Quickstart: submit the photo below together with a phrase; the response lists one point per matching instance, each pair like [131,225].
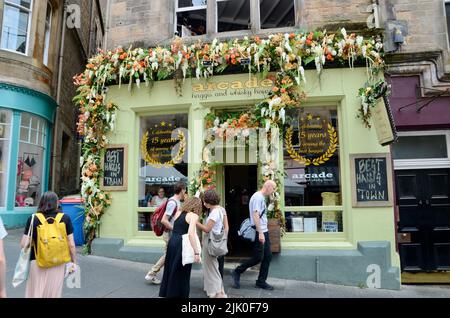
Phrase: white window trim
[30,16]
[430,163]
[46,55]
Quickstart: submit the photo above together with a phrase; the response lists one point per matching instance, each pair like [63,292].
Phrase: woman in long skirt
[47,282]
[176,277]
[213,283]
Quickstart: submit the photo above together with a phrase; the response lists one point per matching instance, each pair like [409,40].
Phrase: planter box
[274,235]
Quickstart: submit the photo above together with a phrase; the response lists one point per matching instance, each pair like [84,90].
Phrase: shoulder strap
[41,218]
[59,217]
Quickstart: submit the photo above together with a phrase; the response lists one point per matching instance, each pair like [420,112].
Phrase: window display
[312,174]
[30,163]
[163,157]
[5,140]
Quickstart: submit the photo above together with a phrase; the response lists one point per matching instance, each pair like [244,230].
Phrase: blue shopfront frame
[21,100]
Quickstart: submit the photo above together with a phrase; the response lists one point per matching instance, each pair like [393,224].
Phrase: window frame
[430,163]
[255,20]
[447,18]
[150,210]
[324,236]
[47,32]
[30,16]
[6,168]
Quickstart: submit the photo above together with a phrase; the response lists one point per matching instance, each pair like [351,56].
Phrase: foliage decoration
[287,54]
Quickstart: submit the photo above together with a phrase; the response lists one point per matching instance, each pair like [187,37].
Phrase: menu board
[114,163]
[371,180]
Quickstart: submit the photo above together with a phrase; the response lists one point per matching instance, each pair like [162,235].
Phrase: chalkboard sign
[371,180]
[115,164]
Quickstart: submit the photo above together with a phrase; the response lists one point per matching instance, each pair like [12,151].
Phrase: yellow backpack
[52,244]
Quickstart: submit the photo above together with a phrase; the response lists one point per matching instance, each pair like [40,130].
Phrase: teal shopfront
[26,121]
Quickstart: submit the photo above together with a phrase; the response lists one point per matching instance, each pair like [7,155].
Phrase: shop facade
[26,119]
[422,170]
[329,238]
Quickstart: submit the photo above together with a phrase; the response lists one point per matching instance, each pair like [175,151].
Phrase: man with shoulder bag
[261,250]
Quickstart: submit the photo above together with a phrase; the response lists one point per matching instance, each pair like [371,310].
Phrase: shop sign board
[115,167]
[371,180]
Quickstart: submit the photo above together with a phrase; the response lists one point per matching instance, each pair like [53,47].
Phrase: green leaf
[308,60]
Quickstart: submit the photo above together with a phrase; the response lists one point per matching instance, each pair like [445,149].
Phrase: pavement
[111,278]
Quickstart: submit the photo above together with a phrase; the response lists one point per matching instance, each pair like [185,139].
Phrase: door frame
[416,164]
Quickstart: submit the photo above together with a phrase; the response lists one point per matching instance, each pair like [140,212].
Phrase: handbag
[247,231]
[217,243]
[23,264]
[188,253]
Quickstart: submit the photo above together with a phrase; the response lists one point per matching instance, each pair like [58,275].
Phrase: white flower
[283,115]
[344,32]
[217,122]
[359,40]
[263,112]
[268,122]
[81,161]
[246,132]
[198,73]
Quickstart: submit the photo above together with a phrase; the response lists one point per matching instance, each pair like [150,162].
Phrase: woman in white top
[216,222]
[2,261]
[159,199]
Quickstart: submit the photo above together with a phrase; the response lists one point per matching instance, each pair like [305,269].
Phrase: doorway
[423,197]
[241,182]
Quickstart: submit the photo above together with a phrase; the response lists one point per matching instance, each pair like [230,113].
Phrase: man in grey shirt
[173,204]
[261,250]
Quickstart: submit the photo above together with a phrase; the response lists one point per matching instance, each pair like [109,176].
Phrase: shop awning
[161,176]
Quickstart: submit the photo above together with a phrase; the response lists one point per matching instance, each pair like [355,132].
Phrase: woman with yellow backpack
[53,246]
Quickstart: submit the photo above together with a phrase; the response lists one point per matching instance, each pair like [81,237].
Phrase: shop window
[48,27]
[277,14]
[163,158]
[233,15]
[312,171]
[5,140]
[16,21]
[31,160]
[191,17]
[421,147]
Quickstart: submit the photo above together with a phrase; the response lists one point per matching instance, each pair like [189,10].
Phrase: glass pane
[15,29]
[420,147]
[25,120]
[191,23]
[311,159]
[23,3]
[29,179]
[34,137]
[144,222]
[156,182]
[5,124]
[5,133]
[447,11]
[277,14]
[233,15]
[313,222]
[47,33]
[34,123]
[24,134]
[191,3]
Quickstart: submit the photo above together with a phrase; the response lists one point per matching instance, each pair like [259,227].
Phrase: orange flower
[308,42]
[292,35]
[90,66]
[329,57]
[233,61]
[310,36]
[283,90]
[209,180]
[275,89]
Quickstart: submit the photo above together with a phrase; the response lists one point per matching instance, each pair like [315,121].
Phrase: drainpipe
[108,13]
[58,92]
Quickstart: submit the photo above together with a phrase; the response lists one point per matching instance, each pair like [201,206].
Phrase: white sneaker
[152,279]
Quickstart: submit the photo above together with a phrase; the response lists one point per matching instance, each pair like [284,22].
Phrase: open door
[241,183]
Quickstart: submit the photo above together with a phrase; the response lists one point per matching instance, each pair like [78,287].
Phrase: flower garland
[286,53]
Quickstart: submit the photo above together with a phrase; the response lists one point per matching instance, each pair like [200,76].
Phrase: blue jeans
[261,254]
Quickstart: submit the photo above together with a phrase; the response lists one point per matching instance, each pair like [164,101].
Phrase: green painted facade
[335,87]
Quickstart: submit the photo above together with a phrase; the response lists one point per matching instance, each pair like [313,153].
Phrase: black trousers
[261,254]
[221,260]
